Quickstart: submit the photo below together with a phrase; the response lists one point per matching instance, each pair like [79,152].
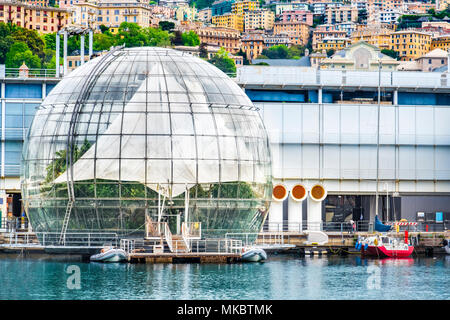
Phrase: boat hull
[254,255]
[115,255]
[382,252]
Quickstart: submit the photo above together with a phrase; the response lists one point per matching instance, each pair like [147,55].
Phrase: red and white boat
[383,246]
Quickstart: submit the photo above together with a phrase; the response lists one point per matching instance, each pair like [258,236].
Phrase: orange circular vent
[279,192]
[298,192]
[318,192]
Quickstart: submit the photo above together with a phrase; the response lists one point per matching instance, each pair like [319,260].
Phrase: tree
[20,53]
[157,37]
[103,41]
[244,56]
[223,62]
[330,52]
[390,53]
[203,50]
[190,39]
[276,52]
[177,39]
[166,25]
[103,28]
[131,35]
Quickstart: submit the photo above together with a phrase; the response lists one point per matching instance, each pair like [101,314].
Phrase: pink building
[297,16]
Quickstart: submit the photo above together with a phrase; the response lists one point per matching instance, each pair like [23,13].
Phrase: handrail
[168,236]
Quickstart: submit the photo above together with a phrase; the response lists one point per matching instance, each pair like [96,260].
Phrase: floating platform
[201,257]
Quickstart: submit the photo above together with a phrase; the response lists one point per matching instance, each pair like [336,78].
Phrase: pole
[91,35]
[82,49]
[387,202]
[65,52]
[378,135]
[57,53]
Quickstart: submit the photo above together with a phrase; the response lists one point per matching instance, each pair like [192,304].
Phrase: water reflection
[280,277]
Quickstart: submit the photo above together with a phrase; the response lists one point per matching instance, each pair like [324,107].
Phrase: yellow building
[377,36]
[239,7]
[41,19]
[441,42]
[259,19]
[335,44]
[410,44]
[229,20]
[111,13]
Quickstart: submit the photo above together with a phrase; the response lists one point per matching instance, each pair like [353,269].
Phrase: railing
[192,230]
[168,236]
[73,239]
[347,227]
[32,73]
[287,226]
[218,246]
[267,75]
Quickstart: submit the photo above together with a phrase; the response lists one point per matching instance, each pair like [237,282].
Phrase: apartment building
[239,7]
[341,14]
[441,42]
[296,15]
[410,44]
[322,32]
[229,20]
[336,44]
[374,35]
[221,7]
[205,15]
[111,13]
[298,32]
[41,19]
[259,19]
[228,38]
[253,44]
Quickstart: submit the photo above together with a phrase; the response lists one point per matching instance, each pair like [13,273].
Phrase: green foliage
[330,52]
[244,56]
[201,4]
[166,25]
[190,39]
[390,53]
[283,52]
[103,28]
[223,62]
[130,35]
[20,53]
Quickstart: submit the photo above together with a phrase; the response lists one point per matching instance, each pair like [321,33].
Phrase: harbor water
[281,277]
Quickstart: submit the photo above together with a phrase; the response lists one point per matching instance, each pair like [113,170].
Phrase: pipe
[314,215]
[295,207]
[279,194]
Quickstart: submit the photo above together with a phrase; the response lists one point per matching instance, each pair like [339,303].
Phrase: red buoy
[426,228]
[406,236]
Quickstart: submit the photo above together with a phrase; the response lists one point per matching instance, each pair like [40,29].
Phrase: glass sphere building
[145,134]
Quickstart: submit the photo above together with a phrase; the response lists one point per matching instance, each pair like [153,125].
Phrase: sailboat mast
[378,134]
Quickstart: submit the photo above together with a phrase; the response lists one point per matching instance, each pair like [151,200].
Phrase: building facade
[322,127]
[410,44]
[228,38]
[298,32]
[259,19]
[33,17]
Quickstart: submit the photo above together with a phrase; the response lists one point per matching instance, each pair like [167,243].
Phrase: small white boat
[254,255]
[110,254]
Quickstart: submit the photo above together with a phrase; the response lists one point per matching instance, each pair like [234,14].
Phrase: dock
[227,250]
